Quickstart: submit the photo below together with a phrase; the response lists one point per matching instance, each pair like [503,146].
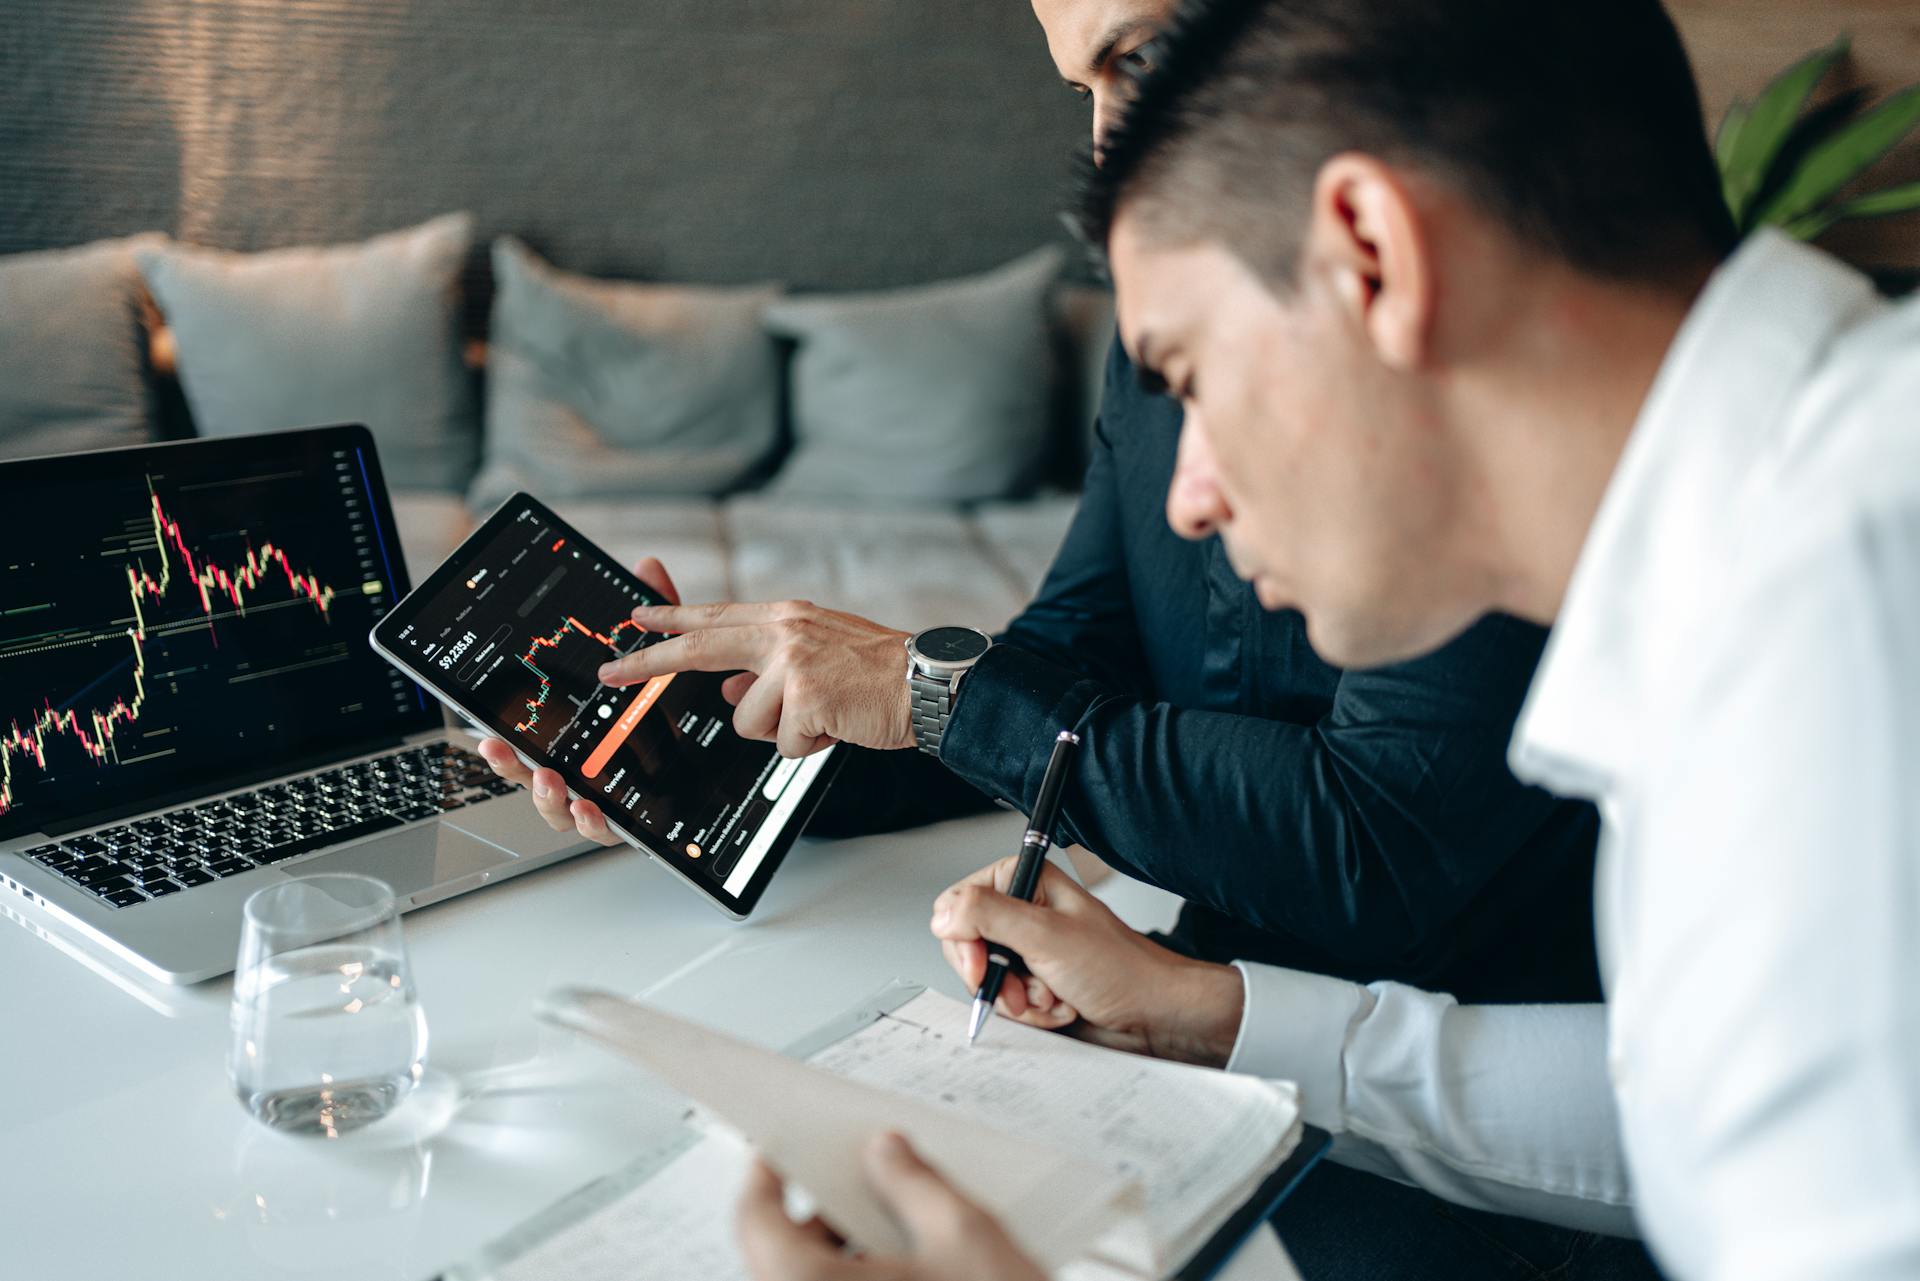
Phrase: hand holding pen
[1033,857]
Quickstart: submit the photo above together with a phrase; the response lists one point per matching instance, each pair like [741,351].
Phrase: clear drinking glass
[328,1034]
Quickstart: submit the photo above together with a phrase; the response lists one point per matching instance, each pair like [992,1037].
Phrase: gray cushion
[936,394]
[608,389]
[72,365]
[365,332]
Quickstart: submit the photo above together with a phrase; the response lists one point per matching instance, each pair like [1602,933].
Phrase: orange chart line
[539,700]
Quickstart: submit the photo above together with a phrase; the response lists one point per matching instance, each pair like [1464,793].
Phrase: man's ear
[1367,236]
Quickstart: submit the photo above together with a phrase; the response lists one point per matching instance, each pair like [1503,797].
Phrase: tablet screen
[513,630]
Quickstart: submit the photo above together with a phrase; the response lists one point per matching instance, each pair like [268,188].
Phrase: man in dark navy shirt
[1355,823]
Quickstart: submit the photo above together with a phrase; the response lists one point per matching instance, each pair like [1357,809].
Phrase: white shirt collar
[1720,399]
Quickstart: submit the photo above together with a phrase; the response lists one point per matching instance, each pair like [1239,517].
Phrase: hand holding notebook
[1097,1163]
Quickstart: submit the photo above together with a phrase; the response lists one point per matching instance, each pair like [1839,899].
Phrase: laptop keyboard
[154,857]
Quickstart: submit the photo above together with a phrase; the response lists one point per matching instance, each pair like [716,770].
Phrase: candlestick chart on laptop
[166,625]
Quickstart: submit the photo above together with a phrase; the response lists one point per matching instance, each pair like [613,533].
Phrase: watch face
[950,644]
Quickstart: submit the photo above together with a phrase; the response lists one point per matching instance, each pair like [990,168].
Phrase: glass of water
[328,1034]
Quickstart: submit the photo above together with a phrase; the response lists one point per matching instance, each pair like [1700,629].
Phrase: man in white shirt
[1424,379]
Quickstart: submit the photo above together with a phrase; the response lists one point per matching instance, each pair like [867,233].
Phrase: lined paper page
[813,1125]
[1198,1140]
[1087,1121]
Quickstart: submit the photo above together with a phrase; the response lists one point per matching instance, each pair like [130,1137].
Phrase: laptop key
[126,898]
[305,845]
[230,867]
[160,889]
[92,876]
[111,886]
[192,876]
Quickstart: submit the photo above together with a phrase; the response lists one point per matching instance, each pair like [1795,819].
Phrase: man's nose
[1195,506]
[1106,113]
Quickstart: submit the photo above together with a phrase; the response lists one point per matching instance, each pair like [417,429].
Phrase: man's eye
[1143,58]
[1081,92]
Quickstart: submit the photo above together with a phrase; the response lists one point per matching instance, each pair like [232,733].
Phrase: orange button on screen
[649,695]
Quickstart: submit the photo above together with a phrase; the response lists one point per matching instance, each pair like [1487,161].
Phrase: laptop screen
[180,618]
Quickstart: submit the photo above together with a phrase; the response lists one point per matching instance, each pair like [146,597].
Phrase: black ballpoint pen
[1026,874]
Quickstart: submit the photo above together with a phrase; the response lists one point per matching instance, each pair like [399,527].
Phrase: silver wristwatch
[936,660]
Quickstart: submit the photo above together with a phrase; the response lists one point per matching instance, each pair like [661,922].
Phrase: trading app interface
[519,635]
[173,616]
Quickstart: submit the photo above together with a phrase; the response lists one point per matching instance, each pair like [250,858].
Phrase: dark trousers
[1343,1225]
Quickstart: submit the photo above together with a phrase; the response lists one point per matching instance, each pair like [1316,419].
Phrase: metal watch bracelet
[932,702]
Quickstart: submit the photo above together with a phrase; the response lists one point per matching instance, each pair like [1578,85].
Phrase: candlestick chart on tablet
[515,630]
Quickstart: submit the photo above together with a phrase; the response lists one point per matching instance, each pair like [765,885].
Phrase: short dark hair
[1578,127]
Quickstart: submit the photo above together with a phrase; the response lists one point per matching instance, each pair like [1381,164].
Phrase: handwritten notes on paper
[1085,1153]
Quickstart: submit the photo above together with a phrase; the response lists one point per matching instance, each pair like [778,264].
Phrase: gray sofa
[908,568]
[905,454]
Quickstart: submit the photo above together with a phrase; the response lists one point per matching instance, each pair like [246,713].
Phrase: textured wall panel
[828,143]
[831,143]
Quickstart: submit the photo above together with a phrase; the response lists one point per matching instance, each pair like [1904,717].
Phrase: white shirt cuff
[1294,1027]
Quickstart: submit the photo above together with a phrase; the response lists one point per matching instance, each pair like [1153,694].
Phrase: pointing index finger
[699,618]
[728,649]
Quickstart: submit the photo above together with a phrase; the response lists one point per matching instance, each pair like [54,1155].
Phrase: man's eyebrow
[1117,33]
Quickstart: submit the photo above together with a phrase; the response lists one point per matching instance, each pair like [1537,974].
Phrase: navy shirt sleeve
[1364,834]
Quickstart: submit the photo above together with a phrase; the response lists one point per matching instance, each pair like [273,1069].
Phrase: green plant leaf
[1747,155]
[1725,140]
[1842,157]
[1809,226]
[1727,137]
[1904,198]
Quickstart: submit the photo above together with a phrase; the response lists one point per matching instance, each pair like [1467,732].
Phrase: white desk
[123,1153]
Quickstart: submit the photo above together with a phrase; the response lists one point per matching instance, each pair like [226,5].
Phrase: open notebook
[1101,1164]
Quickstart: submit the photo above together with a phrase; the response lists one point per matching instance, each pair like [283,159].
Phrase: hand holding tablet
[511,632]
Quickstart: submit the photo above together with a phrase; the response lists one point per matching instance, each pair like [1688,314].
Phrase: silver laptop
[190,709]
